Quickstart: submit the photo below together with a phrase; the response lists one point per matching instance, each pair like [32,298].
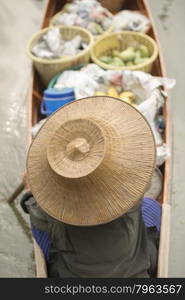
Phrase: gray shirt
[120,248]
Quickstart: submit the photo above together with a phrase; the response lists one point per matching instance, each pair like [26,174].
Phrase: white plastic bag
[130,20]
[163,152]
[37,127]
[147,89]
[83,84]
[52,45]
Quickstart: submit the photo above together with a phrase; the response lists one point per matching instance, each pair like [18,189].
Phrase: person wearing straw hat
[88,168]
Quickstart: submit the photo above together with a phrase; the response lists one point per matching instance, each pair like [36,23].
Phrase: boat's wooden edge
[164,243]
[29,110]
[163,256]
[147,8]
[167,115]
[49,11]
[41,268]
[168,162]
[48,6]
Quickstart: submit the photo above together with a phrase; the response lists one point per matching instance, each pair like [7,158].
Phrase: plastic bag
[89,14]
[83,84]
[149,109]
[53,40]
[37,127]
[147,89]
[49,45]
[163,153]
[52,45]
[130,20]
[67,19]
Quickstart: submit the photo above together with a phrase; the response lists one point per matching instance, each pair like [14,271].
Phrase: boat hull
[34,99]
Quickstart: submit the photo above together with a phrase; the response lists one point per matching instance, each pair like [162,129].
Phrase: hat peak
[77,149]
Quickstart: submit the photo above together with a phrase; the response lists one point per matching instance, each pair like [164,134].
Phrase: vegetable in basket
[129,57]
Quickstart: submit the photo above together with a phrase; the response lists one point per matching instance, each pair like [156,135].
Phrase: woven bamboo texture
[91,161]
[120,41]
[47,68]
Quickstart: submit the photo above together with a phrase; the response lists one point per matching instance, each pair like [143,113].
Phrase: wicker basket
[120,41]
[47,68]
[54,18]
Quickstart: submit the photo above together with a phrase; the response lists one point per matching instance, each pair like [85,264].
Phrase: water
[18,21]
[165,13]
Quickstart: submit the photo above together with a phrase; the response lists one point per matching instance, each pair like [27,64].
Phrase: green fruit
[117,54]
[117,62]
[144,51]
[95,28]
[127,55]
[98,28]
[137,57]
[106,59]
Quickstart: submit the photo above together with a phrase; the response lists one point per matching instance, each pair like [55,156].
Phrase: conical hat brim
[114,187]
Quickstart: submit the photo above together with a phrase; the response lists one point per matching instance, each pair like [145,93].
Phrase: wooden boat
[35,96]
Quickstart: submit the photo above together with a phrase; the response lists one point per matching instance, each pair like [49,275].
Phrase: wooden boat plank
[163,255]
[41,269]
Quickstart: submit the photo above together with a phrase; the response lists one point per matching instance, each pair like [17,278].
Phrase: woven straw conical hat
[91,161]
